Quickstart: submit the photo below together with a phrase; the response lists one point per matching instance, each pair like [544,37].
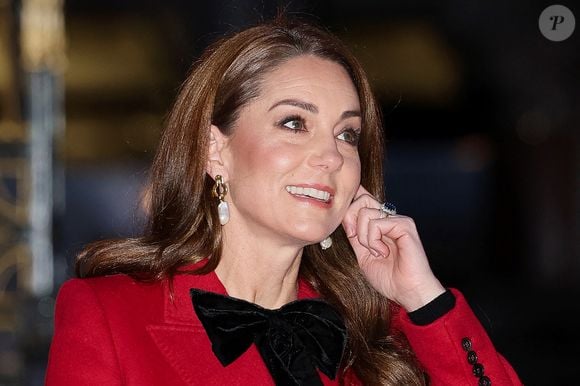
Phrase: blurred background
[481,116]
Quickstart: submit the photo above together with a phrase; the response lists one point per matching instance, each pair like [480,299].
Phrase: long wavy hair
[183,225]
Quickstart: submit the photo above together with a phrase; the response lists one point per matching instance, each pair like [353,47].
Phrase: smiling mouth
[316,194]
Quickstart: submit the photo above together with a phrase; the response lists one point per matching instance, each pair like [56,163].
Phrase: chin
[312,236]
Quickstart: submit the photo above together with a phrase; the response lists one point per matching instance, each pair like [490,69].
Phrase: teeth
[310,192]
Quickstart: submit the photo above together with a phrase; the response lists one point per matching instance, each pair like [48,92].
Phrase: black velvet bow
[292,340]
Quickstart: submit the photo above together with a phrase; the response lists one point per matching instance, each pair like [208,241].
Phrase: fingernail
[375,253]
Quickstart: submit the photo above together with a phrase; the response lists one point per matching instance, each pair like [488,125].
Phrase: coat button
[466,344]
[484,381]
[472,357]
[478,369]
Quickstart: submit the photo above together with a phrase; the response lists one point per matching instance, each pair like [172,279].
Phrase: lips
[308,192]
[321,194]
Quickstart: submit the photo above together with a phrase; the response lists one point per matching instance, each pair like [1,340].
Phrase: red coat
[115,331]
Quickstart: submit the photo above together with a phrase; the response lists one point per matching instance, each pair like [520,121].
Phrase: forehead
[320,81]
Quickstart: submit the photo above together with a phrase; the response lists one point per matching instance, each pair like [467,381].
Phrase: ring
[387,209]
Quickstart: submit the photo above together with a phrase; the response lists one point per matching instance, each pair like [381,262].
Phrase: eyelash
[354,132]
[292,118]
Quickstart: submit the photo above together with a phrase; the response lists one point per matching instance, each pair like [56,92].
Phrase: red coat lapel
[184,344]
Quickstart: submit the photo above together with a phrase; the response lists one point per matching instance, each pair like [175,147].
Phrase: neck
[260,271]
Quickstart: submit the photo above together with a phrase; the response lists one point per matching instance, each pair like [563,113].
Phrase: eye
[350,136]
[294,123]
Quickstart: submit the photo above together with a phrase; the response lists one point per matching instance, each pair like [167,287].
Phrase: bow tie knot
[292,340]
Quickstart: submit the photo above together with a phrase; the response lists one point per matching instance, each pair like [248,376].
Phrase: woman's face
[292,161]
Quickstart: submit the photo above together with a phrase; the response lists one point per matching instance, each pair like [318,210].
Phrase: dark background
[481,115]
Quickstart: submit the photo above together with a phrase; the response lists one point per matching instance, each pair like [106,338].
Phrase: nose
[325,154]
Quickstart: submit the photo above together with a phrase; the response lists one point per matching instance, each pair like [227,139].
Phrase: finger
[365,216]
[363,255]
[359,249]
[377,241]
[396,228]
[361,191]
[362,200]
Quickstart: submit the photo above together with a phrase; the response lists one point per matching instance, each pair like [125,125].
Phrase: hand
[389,253]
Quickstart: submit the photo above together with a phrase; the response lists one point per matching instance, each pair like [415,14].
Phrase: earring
[326,243]
[220,190]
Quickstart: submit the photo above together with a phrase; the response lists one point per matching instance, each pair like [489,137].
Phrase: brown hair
[183,224]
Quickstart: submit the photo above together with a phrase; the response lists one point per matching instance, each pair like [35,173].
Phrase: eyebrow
[312,108]
[350,113]
[297,103]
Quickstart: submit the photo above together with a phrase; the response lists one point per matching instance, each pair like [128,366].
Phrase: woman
[266,194]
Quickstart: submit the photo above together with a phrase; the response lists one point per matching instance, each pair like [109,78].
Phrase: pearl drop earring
[220,190]
[326,243]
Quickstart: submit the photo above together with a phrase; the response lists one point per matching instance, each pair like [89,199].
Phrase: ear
[216,164]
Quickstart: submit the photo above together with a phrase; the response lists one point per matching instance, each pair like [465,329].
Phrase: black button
[478,369]
[472,357]
[466,343]
[484,381]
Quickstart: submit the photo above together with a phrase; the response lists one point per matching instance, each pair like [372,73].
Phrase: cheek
[280,159]
[350,181]
[352,169]
[261,159]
